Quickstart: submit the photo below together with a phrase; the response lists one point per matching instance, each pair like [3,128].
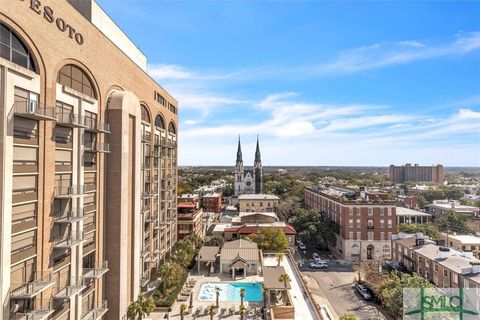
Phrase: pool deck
[304,309]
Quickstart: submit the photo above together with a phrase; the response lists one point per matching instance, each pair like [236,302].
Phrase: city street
[337,284]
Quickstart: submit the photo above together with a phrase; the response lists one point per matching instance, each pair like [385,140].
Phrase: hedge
[168,302]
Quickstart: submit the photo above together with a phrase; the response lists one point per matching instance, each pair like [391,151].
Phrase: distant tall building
[400,174]
[248,181]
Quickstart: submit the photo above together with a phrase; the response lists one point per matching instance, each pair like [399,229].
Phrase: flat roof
[401,211]
[271,276]
[463,238]
[260,196]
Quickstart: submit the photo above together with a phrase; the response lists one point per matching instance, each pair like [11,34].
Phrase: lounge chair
[197,312]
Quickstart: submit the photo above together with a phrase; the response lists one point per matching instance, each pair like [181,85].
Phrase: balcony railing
[68,192]
[91,146]
[71,120]
[76,286]
[33,110]
[74,239]
[145,209]
[98,311]
[40,310]
[41,282]
[94,125]
[96,272]
[152,218]
[71,216]
[145,194]
[370,227]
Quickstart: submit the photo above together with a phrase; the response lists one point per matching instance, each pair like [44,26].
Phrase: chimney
[475,266]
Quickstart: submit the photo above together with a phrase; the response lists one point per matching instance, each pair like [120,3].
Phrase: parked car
[302,247]
[318,264]
[364,292]
[298,240]
[316,256]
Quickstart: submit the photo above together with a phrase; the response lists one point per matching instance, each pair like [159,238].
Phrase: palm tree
[242,311]
[217,294]
[279,256]
[285,279]
[140,308]
[183,307]
[169,274]
[265,292]
[211,311]
[242,295]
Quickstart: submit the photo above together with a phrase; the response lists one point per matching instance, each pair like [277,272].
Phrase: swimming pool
[230,291]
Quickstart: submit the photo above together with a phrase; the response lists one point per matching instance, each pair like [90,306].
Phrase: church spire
[257,152]
[239,151]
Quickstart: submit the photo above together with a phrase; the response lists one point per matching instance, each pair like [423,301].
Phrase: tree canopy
[426,228]
[270,239]
[453,222]
[314,228]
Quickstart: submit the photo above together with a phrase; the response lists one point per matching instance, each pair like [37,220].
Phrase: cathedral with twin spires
[248,181]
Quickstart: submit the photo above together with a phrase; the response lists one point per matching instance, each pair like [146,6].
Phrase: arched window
[75,78]
[145,114]
[159,122]
[13,49]
[171,128]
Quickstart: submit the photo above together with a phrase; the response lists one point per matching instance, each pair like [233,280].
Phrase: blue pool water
[230,291]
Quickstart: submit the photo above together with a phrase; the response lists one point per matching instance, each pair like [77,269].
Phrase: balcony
[145,194]
[152,218]
[94,125]
[91,146]
[33,110]
[145,209]
[76,286]
[370,227]
[96,272]
[69,192]
[144,254]
[151,258]
[98,311]
[71,216]
[73,120]
[40,310]
[28,290]
[74,239]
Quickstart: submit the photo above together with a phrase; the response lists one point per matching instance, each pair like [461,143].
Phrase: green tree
[279,256]
[454,222]
[181,256]
[183,307]
[426,228]
[288,208]
[242,311]
[169,273]
[242,295]
[216,241]
[314,228]
[271,239]
[211,311]
[348,316]
[217,295]
[285,279]
[140,308]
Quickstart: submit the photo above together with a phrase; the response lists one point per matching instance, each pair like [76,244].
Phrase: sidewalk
[318,294]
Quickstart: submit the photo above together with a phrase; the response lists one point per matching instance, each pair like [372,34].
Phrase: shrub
[172,296]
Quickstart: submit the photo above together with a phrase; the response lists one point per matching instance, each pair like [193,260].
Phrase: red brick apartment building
[189,216]
[212,202]
[366,223]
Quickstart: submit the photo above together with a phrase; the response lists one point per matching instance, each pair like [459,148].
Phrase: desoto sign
[62,25]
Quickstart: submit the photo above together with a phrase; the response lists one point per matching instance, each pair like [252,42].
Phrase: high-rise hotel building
[88,164]
[401,174]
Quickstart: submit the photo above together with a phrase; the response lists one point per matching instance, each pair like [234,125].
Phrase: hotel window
[389,236]
[390,223]
[382,223]
[24,241]
[389,211]
[435,267]
[445,273]
[75,78]
[370,224]
[23,184]
[386,249]
[359,225]
[171,128]
[370,236]
[14,50]
[145,114]
[370,211]
[350,235]
[350,223]
[382,235]
[159,123]
[350,211]
[22,273]
[359,235]
[63,135]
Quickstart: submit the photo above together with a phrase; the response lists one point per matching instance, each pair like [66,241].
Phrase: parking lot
[337,283]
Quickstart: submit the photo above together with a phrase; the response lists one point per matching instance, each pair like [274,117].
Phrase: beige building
[465,243]
[258,202]
[87,161]
[401,174]
[240,257]
[444,267]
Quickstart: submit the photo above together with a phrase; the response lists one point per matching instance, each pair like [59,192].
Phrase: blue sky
[322,82]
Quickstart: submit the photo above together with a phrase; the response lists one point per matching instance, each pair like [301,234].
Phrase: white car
[316,256]
[302,246]
[363,292]
[318,264]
